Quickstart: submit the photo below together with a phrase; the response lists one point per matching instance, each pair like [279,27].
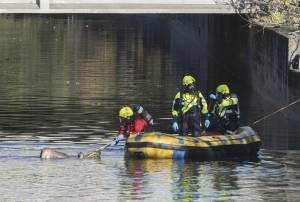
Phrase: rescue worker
[187,107]
[133,119]
[225,113]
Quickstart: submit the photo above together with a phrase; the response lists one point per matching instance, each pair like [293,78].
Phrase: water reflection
[62,81]
[66,70]
[188,182]
[208,181]
[139,174]
[71,70]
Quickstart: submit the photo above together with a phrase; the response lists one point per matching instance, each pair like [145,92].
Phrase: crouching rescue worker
[225,113]
[133,119]
[188,105]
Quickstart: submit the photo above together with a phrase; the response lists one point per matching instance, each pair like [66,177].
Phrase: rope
[275,112]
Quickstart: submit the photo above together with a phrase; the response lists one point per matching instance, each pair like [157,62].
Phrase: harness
[231,112]
[184,103]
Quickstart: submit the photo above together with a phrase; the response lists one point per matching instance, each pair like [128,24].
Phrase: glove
[175,126]
[151,122]
[117,140]
[120,137]
[206,123]
[114,142]
[212,96]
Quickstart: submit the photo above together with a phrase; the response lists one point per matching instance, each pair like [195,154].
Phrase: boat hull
[243,143]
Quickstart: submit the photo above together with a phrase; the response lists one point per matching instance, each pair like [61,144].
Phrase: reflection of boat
[147,165]
[243,143]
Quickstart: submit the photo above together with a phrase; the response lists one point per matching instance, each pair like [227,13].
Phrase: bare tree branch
[269,13]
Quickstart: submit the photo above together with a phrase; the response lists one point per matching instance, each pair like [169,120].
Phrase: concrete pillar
[44,4]
[294,50]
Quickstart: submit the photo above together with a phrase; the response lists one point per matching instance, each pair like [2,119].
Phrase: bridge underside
[97,6]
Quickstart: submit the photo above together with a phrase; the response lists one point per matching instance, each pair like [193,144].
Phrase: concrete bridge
[115,6]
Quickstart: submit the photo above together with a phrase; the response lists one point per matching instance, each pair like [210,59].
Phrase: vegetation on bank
[281,14]
[270,13]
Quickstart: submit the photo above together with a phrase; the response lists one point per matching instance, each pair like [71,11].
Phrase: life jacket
[137,123]
[188,102]
[228,109]
[133,127]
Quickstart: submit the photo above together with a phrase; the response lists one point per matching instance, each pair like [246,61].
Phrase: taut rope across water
[275,112]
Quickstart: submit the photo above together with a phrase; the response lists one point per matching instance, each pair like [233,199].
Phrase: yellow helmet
[125,112]
[223,89]
[187,80]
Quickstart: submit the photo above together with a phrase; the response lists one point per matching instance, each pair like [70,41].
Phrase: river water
[62,81]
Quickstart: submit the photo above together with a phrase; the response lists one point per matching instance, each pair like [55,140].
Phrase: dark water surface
[62,81]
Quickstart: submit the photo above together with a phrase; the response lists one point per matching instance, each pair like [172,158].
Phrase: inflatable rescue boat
[244,142]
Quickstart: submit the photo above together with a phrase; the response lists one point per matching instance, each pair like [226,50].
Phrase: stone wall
[294,51]
[258,59]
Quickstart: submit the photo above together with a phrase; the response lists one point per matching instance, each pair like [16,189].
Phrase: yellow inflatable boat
[242,143]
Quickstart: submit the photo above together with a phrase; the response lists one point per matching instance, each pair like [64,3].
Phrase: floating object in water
[50,153]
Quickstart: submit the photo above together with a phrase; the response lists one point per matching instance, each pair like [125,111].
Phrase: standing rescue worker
[225,114]
[133,119]
[187,107]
